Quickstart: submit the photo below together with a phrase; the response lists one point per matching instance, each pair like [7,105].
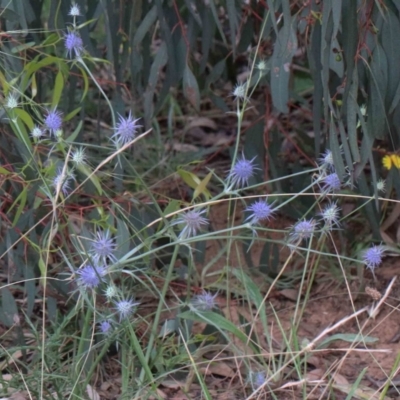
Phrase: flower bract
[303,230]
[63,179]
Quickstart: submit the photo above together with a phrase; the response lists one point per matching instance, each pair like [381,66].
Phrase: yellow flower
[395,160]
[387,162]
[392,160]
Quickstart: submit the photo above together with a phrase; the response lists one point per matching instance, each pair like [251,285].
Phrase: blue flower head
[105,327]
[302,230]
[90,276]
[331,182]
[192,221]
[257,379]
[73,44]
[63,179]
[242,171]
[260,211]
[125,130]
[125,308]
[53,121]
[103,246]
[204,301]
[372,257]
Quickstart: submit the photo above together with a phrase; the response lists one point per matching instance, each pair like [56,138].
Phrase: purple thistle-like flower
[204,301]
[260,211]
[105,327]
[193,222]
[53,121]
[103,246]
[242,171]
[331,182]
[91,276]
[125,130]
[63,180]
[372,257]
[125,308]
[303,230]
[73,44]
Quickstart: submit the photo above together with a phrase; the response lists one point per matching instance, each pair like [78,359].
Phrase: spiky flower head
[37,132]
[125,130]
[242,171]
[53,121]
[204,301]
[105,327]
[326,161]
[78,156]
[103,246]
[73,44]
[260,211]
[90,276]
[303,230]
[239,91]
[110,292]
[381,185]
[331,182]
[125,308]
[74,11]
[372,257]
[192,221]
[11,101]
[63,180]
[261,65]
[330,215]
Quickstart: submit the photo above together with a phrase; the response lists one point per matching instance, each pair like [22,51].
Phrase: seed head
[260,211]
[241,172]
[192,221]
[204,301]
[90,276]
[73,44]
[53,121]
[125,130]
